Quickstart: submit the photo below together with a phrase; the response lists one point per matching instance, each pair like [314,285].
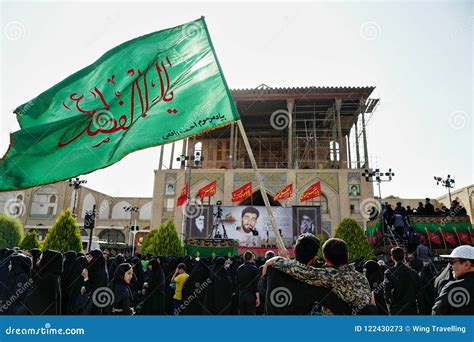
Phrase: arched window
[334,150]
[87,204]
[112,236]
[41,204]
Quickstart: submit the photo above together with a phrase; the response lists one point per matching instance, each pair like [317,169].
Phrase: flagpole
[279,240]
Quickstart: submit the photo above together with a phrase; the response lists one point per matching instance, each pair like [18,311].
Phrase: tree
[163,241]
[11,231]
[30,241]
[357,244]
[64,235]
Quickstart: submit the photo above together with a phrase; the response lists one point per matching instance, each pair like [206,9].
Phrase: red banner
[284,193]
[312,192]
[208,190]
[184,195]
[245,191]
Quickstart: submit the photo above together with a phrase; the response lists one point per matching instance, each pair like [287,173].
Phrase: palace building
[297,135]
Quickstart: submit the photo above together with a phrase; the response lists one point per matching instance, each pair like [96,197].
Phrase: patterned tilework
[219,177]
[330,178]
[273,181]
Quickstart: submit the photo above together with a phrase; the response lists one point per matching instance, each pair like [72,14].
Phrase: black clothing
[427,277]
[45,298]
[98,277]
[374,274]
[429,209]
[69,258]
[19,284]
[218,298]
[442,279]
[285,295]
[198,279]
[456,297]
[402,290]
[76,281]
[122,304]
[154,297]
[247,281]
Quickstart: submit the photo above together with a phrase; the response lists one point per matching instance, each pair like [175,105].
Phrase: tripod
[215,232]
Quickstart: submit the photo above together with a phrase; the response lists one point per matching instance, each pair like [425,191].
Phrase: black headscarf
[374,274]
[219,292]
[45,299]
[98,276]
[18,284]
[118,285]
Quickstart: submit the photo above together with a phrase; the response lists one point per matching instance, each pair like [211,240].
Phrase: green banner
[211,247]
[439,232]
[149,91]
[443,232]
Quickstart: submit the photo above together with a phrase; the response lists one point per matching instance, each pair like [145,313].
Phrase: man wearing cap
[457,296]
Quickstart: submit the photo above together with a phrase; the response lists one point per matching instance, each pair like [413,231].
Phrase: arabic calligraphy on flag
[149,91]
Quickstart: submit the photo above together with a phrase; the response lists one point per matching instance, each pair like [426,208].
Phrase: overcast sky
[418,55]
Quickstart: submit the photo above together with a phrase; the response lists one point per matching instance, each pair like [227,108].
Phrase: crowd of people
[52,283]
[398,217]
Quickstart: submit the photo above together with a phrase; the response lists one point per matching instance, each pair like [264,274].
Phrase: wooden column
[290,105]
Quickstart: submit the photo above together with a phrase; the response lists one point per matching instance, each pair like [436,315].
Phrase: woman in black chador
[120,285]
[194,290]
[76,302]
[69,258]
[219,292]
[154,289]
[95,277]
[45,298]
[19,284]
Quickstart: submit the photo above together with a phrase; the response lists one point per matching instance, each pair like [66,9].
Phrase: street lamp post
[75,183]
[376,177]
[448,183]
[130,209]
[194,160]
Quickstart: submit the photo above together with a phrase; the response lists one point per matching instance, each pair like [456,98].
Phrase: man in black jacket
[247,280]
[285,295]
[457,296]
[402,287]
[429,208]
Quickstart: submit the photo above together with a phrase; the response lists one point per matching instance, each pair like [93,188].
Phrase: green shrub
[357,244]
[64,235]
[11,231]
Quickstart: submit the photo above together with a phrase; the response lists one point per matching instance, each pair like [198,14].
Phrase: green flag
[149,91]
